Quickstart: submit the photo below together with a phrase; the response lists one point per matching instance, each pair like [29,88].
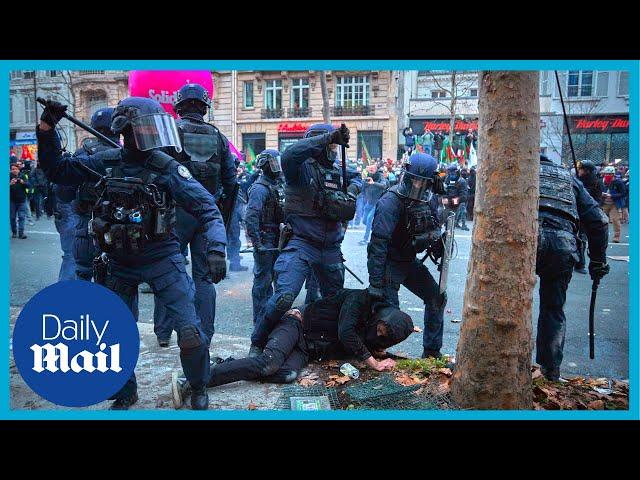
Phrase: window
[92,72]
[29,74]
[369,145]
[248,94]
[29,109]
[352,91]
[623,84]
[95,102]
[15,74]
[580,83]
[10,109]
[438,94]
[273,95]
[544,83]
[53,73]
[473,92]
[252,145]
[299,93]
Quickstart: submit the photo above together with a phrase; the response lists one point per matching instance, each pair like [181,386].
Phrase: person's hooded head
[328,156]
[389,327]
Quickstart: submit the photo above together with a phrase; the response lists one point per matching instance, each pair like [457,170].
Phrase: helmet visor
[274,164]
[155,131]
[416,187]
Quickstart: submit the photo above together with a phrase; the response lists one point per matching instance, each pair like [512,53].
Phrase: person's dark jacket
[18,191]
[437,141]
[337,326]
[40,180]
[373,191]
[461,191]
[471,183]
[617,190]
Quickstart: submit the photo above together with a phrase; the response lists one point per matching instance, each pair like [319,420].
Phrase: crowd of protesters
[27,191]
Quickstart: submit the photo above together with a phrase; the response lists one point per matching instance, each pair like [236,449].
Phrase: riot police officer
[207,156]
[405,224]
[134,222]
[587,175]
[455,199]
[564,203]
[315,210]
[264,214]
[84,249]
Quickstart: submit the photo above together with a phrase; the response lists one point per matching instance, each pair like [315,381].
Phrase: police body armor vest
[321,332]
[421,227]
[132,211]
[202,150]
[452,187]
[322,198]
[272,214]
[87,194]
[556,193]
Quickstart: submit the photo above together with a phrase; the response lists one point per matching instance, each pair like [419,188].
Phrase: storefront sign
[443,125]
[600,124]
[292,127]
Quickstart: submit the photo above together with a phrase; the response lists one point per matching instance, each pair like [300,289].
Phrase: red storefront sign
[292,127]
[599,124]
[443,125]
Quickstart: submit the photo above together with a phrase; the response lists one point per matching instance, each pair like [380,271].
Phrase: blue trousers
[17,209]
[170,284]
[557,254]
[359,210]
[187,228]
[66,220]
[84,249]
[264,278]
[233,236]
[292,268]
[416,277]
[369,212]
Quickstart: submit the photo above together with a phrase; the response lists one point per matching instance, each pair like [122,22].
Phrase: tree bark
[452,109]
[493,369]
[325,97]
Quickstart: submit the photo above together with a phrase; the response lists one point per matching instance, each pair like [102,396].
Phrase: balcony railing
[272,113]
[299,112]
[356,111]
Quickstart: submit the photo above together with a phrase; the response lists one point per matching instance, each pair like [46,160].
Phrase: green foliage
[421,365]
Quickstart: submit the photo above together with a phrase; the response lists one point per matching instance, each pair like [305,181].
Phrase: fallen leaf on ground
[339,379]
[445,371]
[309,380]
[536,374]
[251,406]
[408,380]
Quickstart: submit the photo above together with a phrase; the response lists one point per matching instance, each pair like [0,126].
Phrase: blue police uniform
[392,258]
[159,261]
[207,155]
[312,191]
[262,221]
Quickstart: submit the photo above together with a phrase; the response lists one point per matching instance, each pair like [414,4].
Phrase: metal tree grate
[288,391]
[384,393]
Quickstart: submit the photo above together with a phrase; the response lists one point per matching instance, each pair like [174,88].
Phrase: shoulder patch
[184,172]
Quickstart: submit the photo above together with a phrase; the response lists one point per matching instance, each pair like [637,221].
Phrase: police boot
[180,388]
[124,403]
[551,374]
[254,351]
[431,354]
[580,269]
[164,342]
[199,399]
[22,235]
[145,288]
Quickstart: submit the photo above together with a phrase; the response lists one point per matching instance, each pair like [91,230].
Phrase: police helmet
[269,161]
[417,177]
[191,91]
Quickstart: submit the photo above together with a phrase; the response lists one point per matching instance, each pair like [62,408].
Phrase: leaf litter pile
[432,378]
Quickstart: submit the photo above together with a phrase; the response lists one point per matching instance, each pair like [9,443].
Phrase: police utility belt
[129,214]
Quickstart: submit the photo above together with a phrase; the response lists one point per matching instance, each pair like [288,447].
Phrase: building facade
[95,89]
[24,87]
[271,109]
[597,104]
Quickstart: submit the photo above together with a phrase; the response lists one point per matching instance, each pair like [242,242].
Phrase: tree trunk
[493,369]
[325,97]
[452,109]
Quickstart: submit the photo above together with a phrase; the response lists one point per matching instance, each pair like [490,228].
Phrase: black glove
[217,266]
[437,249]
[376,293]
[340,136]
[53,112]
[597,270]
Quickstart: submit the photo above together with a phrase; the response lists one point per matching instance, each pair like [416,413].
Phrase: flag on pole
[365,152]
[251,157]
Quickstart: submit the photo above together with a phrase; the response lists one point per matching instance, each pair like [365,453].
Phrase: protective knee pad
[189,337]
[285,301]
